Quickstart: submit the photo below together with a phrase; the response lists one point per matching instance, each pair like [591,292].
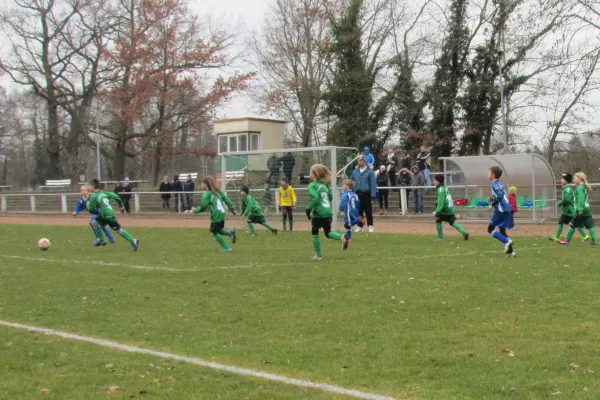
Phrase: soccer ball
[43,244]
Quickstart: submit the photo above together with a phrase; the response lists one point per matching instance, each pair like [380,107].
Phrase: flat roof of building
[221,121]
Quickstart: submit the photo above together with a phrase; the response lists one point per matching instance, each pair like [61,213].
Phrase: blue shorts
[500,219]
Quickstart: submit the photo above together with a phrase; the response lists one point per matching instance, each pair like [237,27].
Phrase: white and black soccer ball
[43,244]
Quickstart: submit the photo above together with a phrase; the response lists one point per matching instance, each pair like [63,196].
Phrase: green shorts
[581,221]
[256,219]
[451,219]
[110,221]
[216,227]
[565,219]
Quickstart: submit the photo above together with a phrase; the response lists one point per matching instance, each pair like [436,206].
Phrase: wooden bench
[57,183]
[184,177]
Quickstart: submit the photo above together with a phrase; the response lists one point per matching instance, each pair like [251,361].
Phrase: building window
[223,144]
[238,142]
[233,143]
[254,141]
[242,143]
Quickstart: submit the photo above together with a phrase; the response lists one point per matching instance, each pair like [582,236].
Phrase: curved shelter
[529,173]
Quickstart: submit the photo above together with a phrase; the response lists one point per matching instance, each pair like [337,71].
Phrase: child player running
[583,212]
[287,202]
[319,207]
[501,216]
[216,200]
[444,211]
[251,212]
[350,208]
[567,202]
[82,205]
[100,201]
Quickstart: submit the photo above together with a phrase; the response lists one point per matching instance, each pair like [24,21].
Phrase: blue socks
[498,236]
[349,234]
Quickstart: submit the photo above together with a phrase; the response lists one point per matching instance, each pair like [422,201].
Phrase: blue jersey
[82,205]
[349,205]
[499,199]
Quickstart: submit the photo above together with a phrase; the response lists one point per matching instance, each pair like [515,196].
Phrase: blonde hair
[582,176]
[349,183]
[212,184]
[512,190]
[320,173]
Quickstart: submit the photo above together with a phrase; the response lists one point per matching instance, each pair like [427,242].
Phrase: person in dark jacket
[177,188]
[391,163]
[418,180]
[288,162]
[365,187]
[404,180]
[126,196]
[383,181]
[424,163]
[273,165]
[189,187]
[405,161]
[165,188]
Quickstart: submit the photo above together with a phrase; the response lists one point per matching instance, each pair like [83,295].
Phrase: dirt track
[420,226]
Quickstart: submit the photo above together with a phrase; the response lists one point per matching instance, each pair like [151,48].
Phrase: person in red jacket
[512,200]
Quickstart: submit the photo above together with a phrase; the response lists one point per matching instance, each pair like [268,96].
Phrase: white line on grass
[262,265]
[206,364]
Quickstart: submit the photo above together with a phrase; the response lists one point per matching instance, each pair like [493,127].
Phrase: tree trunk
[53,142]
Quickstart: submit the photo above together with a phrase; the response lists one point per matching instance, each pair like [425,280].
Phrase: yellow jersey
[287,197]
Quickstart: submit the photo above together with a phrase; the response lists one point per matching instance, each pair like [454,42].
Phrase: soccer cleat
[284,229]
[98,243]
[562,242]
[440,239]
[371,229]
[511,254]
[135,245]
[112,242]
[232,235]
[593,243]
[227,250]
[254,234]
[585,238]
[508,247]
[274,232]
[466,236]
[317,258]
[345,242]
[554,239]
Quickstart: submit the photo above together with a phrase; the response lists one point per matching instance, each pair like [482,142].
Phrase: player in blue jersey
[350,207]
[82,205]
[501,217]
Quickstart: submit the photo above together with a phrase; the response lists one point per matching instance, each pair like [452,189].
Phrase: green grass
[403,316]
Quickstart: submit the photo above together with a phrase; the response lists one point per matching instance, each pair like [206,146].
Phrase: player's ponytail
[583,177]
[211,184]
[321,173]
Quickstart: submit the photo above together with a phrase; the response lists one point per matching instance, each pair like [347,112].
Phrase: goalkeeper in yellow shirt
[287,203]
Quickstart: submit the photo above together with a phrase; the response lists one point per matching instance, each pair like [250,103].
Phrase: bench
[57,183]
[184,177]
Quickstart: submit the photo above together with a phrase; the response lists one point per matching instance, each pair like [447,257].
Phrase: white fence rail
[400,201]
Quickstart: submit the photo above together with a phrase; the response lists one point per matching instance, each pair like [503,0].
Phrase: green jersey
[250,207]
[582,201]
[320,200]
[568,201]
[445,205]
[101,201]
[216,203]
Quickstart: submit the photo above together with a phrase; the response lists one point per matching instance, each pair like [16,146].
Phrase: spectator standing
[424,163]
[177,188]
[189,187]
[383,181]
[404,180]
[391,164]
[405,160]
[126,196]
[273,166]
[369,159]
[365,188]
[288,162]
[418,180]
[165,189]
[119,191]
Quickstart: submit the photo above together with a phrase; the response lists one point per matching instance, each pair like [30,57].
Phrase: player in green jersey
[101,201]
[251,212]
[567,202]
[444,211]
[319,207]
[216,200]
[583,212]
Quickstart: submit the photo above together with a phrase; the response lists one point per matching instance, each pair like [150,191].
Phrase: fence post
[32,202]
[63,200]
[136,198]
[403,201]
[3,201]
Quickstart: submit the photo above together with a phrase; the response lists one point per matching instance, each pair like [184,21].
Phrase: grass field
[398,316]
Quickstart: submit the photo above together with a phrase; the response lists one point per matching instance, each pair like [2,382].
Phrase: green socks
[559,231]
[316,245]
[221,240]
[335,235]
[285,223]
[98,233]
[593,235]
[582,232]
[459,228]
[125,235]
[570,234]
[440,231]
[268,226]
[251,227]
[224,232]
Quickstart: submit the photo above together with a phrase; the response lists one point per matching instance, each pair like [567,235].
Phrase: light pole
[503,105]
[98,140]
